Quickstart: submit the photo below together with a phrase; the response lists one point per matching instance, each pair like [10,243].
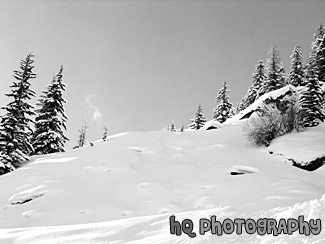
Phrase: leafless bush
[271,123]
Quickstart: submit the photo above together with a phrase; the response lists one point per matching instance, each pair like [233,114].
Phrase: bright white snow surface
[125,189]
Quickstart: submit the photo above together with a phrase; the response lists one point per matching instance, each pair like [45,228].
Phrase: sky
[138,65]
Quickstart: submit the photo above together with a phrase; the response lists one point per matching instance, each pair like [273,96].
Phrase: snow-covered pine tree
[320,67]
[15,130]
[82,137]
[48,136]
[317,38]
[275,72]
[297,73]
[199,119]
[105,134]
[172,127]
[319,64]
[252,94]
[222,111]
[310,101]
[257,80]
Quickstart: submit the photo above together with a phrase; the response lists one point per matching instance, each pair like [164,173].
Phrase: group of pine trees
[18,139]
[271,77]
[311,76]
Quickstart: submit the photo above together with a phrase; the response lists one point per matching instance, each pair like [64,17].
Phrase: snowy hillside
[125,189]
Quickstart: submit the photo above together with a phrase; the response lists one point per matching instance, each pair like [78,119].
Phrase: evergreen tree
[275,72]
[320,60]
[320,66]
[15,130]
[172,127]
[82,137]
[258,78]
[310,101]
[50,120]
[317,39]
[297,74]
[222,111]
[252,94]
[199,119]
[105,134]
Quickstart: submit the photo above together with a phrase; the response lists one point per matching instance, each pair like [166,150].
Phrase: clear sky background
[138,65]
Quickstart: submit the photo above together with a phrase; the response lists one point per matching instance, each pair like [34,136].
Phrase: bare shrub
[270,123]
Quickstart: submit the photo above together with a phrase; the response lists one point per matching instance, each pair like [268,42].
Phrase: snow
[124,190]
[303,146]
[212,123]
[154,229]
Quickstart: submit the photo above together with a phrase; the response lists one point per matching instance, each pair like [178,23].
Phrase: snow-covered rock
[212,124]
[280,98]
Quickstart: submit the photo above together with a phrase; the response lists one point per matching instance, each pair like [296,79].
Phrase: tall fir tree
[51,118]
[275,72]
[297,71]
[319,64]
[320,67]
[317,39]
[15,129]
[252,94]
[199,119]
[310,102]
[257,80]
[223,109]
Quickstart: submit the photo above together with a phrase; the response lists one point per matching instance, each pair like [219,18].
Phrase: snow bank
[303,146]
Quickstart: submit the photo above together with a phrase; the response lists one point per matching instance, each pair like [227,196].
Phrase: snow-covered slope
[124,190]
[154,229]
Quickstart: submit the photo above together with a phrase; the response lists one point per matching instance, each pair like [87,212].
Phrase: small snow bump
[126,213]
[275,197]
[29,213]
[136,149]
[219,145]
